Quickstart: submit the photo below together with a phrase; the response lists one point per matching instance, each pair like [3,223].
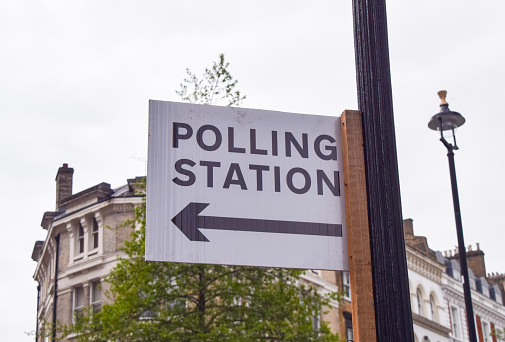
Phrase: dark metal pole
[461,243]
[389,264]
[38,307]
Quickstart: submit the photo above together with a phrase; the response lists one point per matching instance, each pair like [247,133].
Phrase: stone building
[325,282]
[84,235]
[345,308]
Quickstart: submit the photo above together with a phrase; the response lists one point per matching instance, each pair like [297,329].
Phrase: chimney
[63,183]
[408,227]
[475,261]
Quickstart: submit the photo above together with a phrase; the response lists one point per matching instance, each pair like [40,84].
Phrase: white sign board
[239,186]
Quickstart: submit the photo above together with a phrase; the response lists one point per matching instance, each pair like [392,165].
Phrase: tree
[155,301]
[499,334]
[215,85]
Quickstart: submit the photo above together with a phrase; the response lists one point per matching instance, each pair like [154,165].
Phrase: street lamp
[448,120]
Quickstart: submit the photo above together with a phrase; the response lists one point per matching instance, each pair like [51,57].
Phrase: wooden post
[358,236]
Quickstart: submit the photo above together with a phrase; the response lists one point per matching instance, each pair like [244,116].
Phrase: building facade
[86,231]
[487,299]
[84,237]
[436,294]
[436,289]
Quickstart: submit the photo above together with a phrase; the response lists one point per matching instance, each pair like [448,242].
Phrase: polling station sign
[240,186]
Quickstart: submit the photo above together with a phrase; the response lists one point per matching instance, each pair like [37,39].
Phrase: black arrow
[189,221]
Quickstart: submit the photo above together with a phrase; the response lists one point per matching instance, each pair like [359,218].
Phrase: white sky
[76,77]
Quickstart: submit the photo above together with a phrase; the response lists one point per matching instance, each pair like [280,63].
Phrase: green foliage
[216,85]
[499,334]
[159,301]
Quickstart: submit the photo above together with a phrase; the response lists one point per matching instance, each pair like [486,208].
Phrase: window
[316,322]
[456,275]
[348,333]
[346,285]
[96,295]
[50,269]
[498,297]
[147,314]
[78,303]
[433,308]
[80,239]
[472,284]
[486,332]
[485,290]
[94,235]
[348,325]
[419,302]
[237,301]
[85,236]
[455,322]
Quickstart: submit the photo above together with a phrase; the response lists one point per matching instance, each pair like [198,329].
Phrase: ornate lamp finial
[442,94]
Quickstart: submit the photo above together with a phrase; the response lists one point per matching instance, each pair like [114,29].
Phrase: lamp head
[446,119]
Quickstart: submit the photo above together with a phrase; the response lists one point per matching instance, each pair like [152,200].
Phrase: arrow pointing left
[189,221]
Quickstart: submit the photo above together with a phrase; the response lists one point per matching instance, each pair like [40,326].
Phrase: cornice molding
[118,207]
[430,325]
[424,265]
[457,298]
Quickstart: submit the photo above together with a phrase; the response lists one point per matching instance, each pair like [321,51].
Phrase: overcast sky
[76,77]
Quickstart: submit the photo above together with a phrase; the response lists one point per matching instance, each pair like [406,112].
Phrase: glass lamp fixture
[446,119]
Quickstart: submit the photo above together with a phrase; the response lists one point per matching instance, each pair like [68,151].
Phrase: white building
[426,273]
[436,289]
[488,309]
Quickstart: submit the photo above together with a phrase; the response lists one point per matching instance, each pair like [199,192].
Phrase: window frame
[486,334]
[420,304]
[455,322]
[95,287]
[346,285]
[316,322]
[94,235]
[348,326]
[77,310]
[86,236]
[80,239]
[485,291]
[433,308]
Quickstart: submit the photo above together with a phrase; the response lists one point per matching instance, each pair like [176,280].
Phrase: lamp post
[447,120]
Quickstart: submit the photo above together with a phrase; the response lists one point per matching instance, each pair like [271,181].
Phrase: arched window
[419,302]
[433,308]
